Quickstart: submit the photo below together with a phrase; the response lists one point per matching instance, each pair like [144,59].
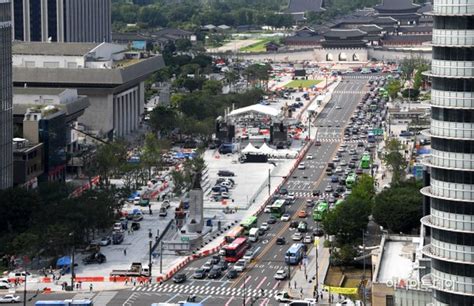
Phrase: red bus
[236,232]
[236,249]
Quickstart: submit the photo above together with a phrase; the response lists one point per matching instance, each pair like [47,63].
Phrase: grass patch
[302,83]
[258,46]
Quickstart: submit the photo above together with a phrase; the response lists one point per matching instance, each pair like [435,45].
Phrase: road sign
[316,242]
[185,239]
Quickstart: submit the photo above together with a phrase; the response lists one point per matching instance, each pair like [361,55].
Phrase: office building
[110,75]
[62,20]
[449,225]
[6,117]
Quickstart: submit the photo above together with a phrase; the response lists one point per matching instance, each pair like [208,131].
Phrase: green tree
[153,149]
[395,160]
[183,45]
[399,208]
[109,158]
[393,88]
[212,87]
[163,119]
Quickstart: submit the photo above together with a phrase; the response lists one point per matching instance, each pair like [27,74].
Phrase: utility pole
[363,273]
[24,292]
[161,257]
[149,259]
[269,183]
[316,245]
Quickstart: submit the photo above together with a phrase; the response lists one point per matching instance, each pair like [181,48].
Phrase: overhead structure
[256,109]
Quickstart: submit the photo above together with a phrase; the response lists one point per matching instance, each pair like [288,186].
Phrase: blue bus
[294,254]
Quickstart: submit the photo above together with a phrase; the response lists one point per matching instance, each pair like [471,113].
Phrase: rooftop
[396,261]
[396,5]
[58,49]
[344,33]
[298,6]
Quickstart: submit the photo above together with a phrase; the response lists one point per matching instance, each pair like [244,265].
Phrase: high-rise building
[6,88]
[450,222]
[62,20]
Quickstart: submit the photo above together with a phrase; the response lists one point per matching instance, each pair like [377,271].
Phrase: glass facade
[6,108]
[451,266]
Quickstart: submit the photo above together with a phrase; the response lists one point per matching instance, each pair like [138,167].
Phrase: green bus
[365,161]
[249,223]
[320,211]
[350,180]
[278,208]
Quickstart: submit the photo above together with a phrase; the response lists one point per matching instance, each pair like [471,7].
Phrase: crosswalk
[352,92]
[205,290]
[336,139]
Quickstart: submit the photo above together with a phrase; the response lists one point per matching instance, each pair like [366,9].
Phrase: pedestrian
[91,287]
[128,231]
[126,281]
[134,282]
[125,252]
[80,284]
[77,286]
[295,284]
[322,296]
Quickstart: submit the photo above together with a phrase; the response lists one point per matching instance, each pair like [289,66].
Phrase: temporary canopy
[265,149]
[250,149]
[63,261]
[256,108]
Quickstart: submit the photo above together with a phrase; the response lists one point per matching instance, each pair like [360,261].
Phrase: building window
[389,300]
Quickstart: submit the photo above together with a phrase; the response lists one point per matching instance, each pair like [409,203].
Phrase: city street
[270,258]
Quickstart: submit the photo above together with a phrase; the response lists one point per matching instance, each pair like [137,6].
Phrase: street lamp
[310,116]
[71,234]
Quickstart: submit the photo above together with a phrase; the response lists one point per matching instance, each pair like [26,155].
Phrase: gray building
[110,75]
[6,116]
[62,20]
[449,224]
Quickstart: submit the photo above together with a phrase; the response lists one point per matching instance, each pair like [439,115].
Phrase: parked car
[9,298]
[5,286]
[104,241]
[94,258]
[179,278]
[225,173]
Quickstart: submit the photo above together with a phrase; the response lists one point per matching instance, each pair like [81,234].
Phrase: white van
[253,234]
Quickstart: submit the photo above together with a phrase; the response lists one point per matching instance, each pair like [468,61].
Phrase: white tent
[250,149]
[256,108]
[265,149]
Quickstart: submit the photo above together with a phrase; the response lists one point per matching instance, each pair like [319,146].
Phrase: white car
[291,196]
[301,166]
[5,286]
[283,297]
[267,209]
[240,265]
[336,159]
[280,275]
[341,149]
[265,227]
[10,298]
[338,170]
[297,236]
[249,255]
[338,107]
[285,217]
[309,156]
[308,239]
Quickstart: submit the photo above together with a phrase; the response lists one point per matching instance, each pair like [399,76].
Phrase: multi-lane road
[259,274]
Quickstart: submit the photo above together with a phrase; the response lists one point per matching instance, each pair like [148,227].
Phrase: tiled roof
[344,33]
[394,5]
[296,6]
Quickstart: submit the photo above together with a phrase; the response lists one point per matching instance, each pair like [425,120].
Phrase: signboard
[341,290]
[184,239]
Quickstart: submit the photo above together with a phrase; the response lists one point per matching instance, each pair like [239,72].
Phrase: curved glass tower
[451,190]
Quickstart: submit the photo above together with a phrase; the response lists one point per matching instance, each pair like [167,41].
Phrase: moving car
[94,258]
[249,255]
[265,227]
[225,173]
[281,241]
[281,275]
[302,213]
[271,220]
[309,156]
[232,274]
[200,273]
[207,266]
[308,239]
[10,298]
[285,217]
[297,236]
[240,265]
[179,278]
[215,272]
[283,297]
[301,166]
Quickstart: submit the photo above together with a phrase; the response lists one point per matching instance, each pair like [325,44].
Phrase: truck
[65,303]
[136,270]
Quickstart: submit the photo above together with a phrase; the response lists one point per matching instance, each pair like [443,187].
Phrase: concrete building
[449,225]
[112,77]
[396,273]
[6,116]
[62,20]
[45,116]
[28,163]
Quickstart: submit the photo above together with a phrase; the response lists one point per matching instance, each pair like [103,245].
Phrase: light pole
[149,259]
[310,116]
[24,292]
[316,245]
[72,260]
